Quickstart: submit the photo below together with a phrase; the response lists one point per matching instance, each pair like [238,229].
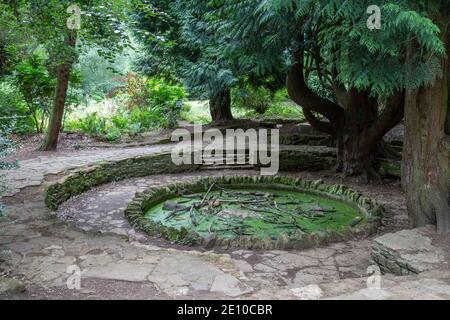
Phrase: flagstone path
[89,234]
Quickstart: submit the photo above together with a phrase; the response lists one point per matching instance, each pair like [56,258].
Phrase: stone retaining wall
[106,172]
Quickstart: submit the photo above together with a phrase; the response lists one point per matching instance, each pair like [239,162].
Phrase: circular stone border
[143,201]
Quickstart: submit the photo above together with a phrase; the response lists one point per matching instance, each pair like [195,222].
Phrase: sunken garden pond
[254,213]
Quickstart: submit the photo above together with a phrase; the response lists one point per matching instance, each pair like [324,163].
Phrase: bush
[144,104]
[283,107]
[93,124]
[164,93]
[14,113]
[36,85]
[161,102]
[250,98]
[263,102]
[146,119]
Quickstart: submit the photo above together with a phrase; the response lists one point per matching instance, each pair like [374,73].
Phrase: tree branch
[304,96]
[325,127]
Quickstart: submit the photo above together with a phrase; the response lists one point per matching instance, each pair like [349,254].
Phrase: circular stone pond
[254,213]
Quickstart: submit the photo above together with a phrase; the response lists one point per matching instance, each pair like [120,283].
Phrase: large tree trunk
[356,152]
[62,85]
[220,107]
[426,158]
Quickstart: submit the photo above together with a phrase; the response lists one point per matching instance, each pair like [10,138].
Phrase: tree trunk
[426,158]
[356,151]
[62,85]
[220,107]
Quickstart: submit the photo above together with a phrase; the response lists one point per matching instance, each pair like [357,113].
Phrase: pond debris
[231,210]
[172,206]
[356,222]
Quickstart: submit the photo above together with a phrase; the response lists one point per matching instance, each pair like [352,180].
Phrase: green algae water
[232,213]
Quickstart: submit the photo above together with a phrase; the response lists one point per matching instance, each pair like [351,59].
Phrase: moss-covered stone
[105,172]
[390,168]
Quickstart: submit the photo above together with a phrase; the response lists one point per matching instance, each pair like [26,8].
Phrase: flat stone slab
[11,285]
[420,289]
[407,252]
[229,285]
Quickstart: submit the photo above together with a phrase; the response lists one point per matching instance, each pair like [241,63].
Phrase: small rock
[355,222]
[311,292]
[11,285]
[172,205]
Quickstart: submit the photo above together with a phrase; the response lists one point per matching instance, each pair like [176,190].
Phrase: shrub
[36,86]
[163,93]
[112,134]
[137,92]
[283,107]
[163,100]
[13,110]
[250,98]
[145,104]
[146,118]
[93,124]
[120,121]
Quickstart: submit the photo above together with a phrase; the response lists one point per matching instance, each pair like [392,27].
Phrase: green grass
[198,112]
[284,110]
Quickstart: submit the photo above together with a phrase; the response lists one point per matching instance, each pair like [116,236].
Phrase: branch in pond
[192,196]
[318,208]
[207,193]
[357,221]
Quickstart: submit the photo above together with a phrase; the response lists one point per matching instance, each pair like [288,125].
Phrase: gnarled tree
[326,46]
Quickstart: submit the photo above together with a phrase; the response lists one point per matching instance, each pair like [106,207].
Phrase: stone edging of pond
[300,240]
[87,178]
